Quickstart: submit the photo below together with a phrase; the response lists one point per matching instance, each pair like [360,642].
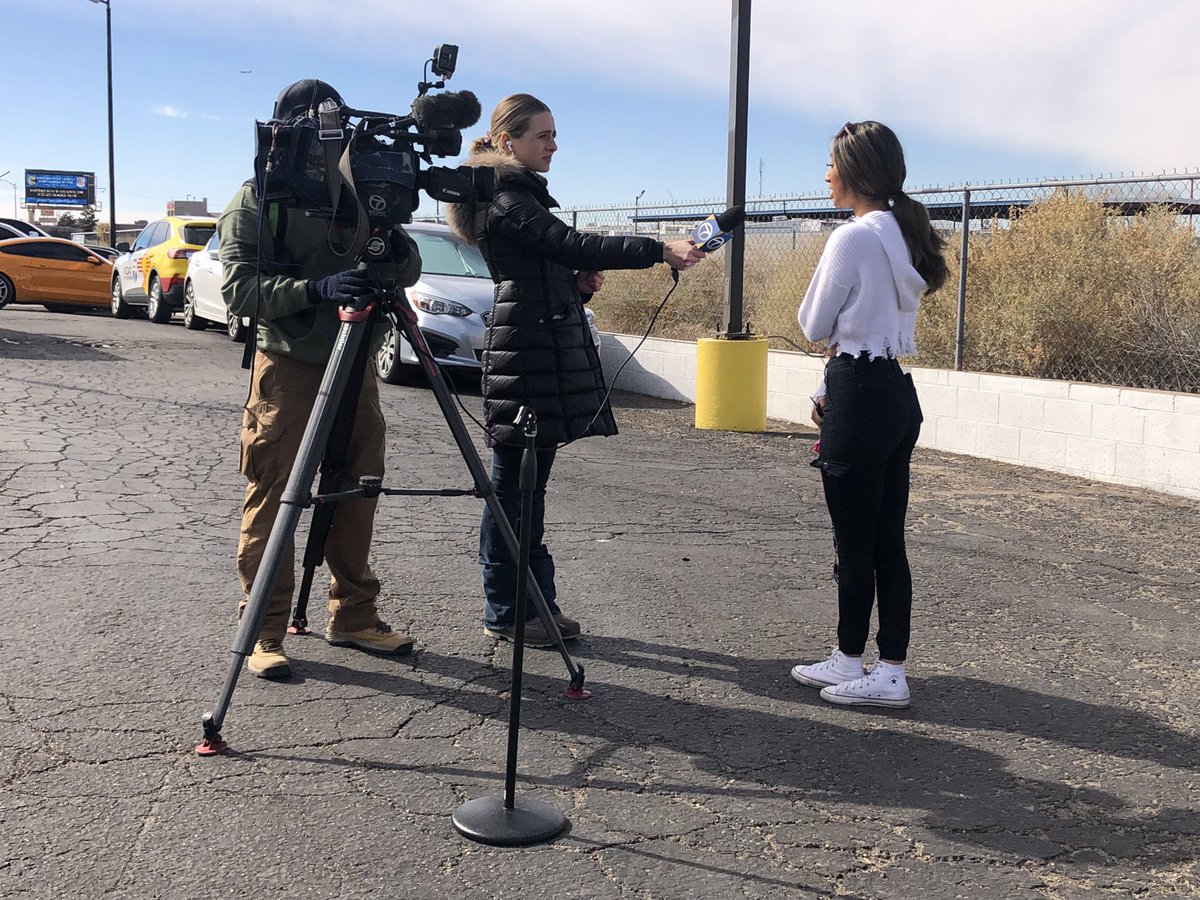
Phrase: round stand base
[487,821]
[211,747]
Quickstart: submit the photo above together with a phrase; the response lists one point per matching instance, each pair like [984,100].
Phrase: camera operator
[539,350]
[288,266]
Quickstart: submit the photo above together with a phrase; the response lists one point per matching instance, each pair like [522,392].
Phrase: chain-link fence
[1090,280]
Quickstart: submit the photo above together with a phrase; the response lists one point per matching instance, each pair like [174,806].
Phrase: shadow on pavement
[962,789]
[18,345]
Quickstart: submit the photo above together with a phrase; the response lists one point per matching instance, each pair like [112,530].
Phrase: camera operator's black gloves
[400,248]
[343,288]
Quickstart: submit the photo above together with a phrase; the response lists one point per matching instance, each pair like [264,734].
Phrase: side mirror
[94,260]
[123,247]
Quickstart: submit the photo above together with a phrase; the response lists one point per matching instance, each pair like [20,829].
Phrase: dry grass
[1067,290]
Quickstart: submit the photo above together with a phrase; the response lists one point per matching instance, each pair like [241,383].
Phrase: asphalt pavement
[1052,748]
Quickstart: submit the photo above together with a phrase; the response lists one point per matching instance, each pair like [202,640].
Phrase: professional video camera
[364,168]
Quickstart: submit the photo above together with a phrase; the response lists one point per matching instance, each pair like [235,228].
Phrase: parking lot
[1052,748]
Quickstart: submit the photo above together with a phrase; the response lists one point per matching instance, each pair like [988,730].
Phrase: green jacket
[276,286]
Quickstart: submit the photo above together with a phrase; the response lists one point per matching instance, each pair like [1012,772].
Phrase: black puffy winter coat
[539,350]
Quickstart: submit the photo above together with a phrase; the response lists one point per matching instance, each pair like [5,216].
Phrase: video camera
[364,168]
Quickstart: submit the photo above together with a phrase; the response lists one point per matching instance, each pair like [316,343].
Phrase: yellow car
[151,272]
[61,275]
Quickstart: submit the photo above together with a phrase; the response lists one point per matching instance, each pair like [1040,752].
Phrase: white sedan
[202,300]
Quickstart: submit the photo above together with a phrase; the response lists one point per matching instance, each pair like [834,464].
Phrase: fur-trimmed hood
[461,216]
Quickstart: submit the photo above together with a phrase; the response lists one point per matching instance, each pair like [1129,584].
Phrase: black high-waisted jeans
[872,420]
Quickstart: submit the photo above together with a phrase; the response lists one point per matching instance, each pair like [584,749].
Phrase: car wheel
[389,365]
[234,327]
[7,291]
[120,309]
[157,310]
[191,321]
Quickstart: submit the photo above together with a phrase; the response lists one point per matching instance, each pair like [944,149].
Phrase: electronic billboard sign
[51,187]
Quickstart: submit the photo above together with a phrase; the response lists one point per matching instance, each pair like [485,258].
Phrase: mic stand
[498,820]
[346,366]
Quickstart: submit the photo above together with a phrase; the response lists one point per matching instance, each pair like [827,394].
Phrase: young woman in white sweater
[863,303]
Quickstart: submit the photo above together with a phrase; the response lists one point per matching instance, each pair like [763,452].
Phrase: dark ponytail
[925,244]
[870,162]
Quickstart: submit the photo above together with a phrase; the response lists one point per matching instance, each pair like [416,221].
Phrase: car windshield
[444,254]
[198,234]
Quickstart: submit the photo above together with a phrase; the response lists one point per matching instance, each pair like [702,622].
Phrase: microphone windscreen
[451,109]
[731,218]
[469,109]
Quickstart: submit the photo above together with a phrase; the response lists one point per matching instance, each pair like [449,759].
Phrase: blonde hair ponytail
[512,115]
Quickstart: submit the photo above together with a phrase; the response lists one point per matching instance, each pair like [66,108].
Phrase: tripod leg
[405,319]
[295,498]
[332,465]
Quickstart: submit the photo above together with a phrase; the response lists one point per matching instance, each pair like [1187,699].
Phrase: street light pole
[112,189]
[635,210]
[14,187]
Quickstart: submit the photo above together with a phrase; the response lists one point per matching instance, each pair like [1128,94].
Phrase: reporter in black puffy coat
[539,351]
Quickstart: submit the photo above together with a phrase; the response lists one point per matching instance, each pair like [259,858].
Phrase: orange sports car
[57,273]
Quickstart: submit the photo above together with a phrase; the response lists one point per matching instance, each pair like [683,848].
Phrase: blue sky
[1026,90]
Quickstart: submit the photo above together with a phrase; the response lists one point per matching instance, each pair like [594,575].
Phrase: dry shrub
[1066,290]
[1072,291]
[776,272]
[937,321]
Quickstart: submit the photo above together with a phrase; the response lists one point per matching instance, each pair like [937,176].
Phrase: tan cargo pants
[282,394]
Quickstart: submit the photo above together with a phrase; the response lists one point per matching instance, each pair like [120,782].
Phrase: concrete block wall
[1141,438]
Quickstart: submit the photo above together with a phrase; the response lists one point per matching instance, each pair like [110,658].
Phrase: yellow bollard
[731,384]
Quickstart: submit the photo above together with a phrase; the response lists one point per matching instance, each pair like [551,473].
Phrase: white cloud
[1104,81]
[170,112]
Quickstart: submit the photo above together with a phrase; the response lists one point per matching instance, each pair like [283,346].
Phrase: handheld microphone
[715,231]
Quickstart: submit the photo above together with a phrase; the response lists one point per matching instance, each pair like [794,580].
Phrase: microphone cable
[613,381]
[604,401]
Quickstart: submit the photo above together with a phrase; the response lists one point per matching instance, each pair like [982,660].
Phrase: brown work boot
[268,661]
[378,638]
[567,626]
[536,634]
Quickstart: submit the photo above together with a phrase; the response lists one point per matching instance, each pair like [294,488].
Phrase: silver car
[451,299]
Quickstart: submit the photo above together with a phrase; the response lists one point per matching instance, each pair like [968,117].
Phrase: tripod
[327,435]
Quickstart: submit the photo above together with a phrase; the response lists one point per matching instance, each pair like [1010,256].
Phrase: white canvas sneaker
[838,668]
[882,686]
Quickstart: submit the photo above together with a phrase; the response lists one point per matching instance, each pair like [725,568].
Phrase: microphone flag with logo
[715,231]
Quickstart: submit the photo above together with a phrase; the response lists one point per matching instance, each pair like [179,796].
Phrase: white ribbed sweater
[865,293]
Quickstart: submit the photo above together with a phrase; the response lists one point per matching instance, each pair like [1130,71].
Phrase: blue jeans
[499,566]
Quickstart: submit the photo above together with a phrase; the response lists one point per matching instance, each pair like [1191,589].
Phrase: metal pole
[112,185]
[739,102]
[14,187]
[962,281]
[635,210]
